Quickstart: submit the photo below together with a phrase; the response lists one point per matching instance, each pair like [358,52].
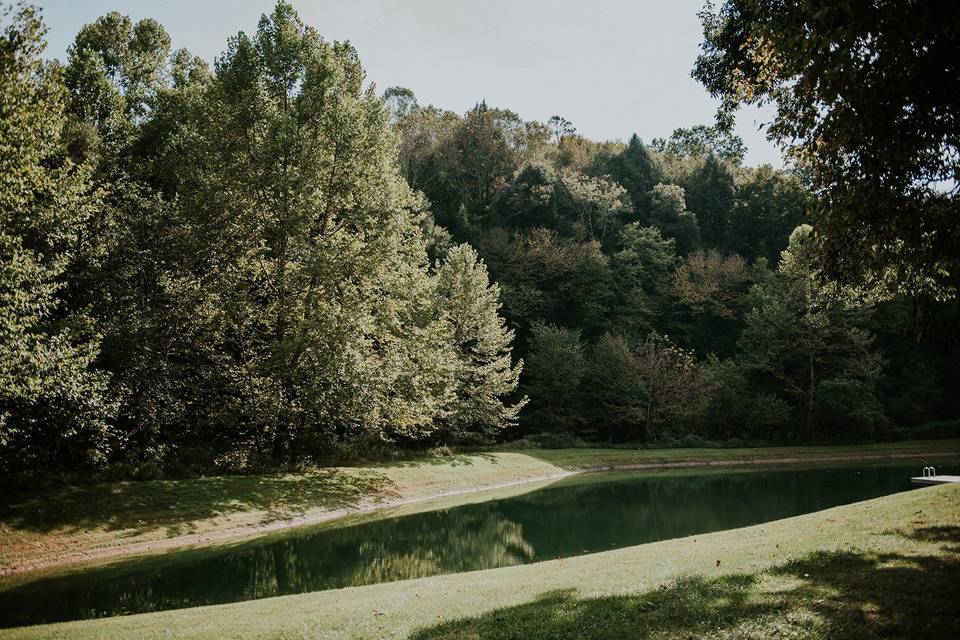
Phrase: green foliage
[485,374]
[53,407]
[555,369]
[768,205]
[862,90]
[710,194]
[613,389]
[668,211]
[266,262]
[804,331]
[849,407]
[637,170]
[702,141]
[672,390]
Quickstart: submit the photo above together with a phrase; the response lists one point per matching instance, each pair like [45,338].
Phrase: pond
[583,514]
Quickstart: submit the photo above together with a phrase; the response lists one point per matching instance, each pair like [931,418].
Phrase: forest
[268,261]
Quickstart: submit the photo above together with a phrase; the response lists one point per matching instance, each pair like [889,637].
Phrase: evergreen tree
[484,372]
[710,196]
[637,171]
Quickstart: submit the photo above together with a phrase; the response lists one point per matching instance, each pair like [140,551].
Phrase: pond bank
[888,567]
[74,525]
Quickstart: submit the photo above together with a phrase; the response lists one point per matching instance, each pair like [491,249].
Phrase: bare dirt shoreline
[238,533]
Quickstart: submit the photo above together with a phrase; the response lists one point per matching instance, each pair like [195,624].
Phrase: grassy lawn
[885,568]
[77,523]
[576,459]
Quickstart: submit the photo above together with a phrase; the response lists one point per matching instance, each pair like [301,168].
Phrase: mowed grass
[577,459]
[70,524]
[885,568]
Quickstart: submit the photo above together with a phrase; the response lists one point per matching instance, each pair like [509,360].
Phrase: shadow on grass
[843,595]
[175,505]
[453,460]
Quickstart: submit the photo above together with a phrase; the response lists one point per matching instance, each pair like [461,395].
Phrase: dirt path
[238,533]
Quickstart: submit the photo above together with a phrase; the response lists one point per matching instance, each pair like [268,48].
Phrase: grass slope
[72,524]
[885,568]
[66,522]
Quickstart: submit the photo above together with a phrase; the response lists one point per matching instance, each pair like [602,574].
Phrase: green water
[580,515]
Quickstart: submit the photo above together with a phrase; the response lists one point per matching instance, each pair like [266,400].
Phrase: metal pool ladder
[930,476]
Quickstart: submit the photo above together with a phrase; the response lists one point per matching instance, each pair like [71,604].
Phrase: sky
[612,67]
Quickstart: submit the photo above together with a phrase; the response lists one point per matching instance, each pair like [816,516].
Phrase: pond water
[584,514]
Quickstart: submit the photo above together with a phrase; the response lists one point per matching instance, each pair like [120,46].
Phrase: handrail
[929,472]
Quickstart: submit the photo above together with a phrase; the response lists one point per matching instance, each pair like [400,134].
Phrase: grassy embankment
[80,523]
[885,568]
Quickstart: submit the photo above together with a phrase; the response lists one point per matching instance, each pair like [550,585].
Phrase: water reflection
[580,515]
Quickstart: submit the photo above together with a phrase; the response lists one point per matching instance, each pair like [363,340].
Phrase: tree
[127,100]
[767,207]
[864,90]
[668,210]
[805,331]
[709,194]
[672,391]
[613,388]
[643,260]
[711,290]
[555,369]
[560,127]
[400,102]
[550,279]
[300,293]
[637,171]
[595,204]
[728,393]
[484,372]
[711,283]
[702,141]
[53,405]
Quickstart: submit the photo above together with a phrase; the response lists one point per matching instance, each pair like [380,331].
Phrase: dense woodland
[268,261]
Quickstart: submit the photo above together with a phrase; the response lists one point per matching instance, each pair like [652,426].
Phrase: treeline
[265,261]
[666,292]
[222,268]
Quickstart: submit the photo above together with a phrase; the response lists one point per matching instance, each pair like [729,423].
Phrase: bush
[559,440]
[848,408]
[768,416]
[926,431]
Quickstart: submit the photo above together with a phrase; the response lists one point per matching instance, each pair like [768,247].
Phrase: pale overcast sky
[612,67]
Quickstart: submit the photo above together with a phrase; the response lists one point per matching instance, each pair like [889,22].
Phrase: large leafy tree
[127,98]
[613,389]
[668,211]
[641,263]
[306,274]
[53,407]
[866,102]
[711,291]
[808,334]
